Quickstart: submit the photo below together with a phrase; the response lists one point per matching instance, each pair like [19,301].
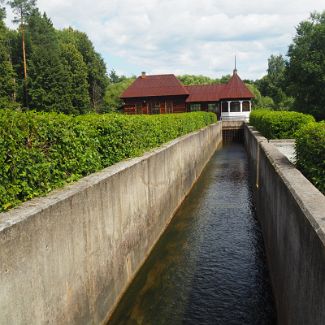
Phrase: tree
[7,75]
[22,10]
[305,73]
[49,81]
[260,101]
[112,101]
[77,90]
[188,80]
[96,68]
[273,84]
[115,78]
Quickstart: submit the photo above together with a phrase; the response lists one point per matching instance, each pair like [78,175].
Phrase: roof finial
[235,70]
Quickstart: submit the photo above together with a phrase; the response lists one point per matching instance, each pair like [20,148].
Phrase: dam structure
[217,226]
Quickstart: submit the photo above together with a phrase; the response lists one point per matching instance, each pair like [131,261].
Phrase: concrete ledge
[232,124]
[292,214]
[68,257]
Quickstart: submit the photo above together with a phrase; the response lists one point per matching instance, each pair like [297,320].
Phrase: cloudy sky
[184,36]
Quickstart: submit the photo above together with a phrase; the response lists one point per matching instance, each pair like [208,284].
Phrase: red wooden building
[160,94]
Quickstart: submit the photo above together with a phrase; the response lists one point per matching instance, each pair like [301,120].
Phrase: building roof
[155,85]
[169,85]
[235,88]
[204,93]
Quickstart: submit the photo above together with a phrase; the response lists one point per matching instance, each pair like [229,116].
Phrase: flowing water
[209,267]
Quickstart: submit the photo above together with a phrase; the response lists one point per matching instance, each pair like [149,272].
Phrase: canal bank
[67,258]
[209,266]
[292,216]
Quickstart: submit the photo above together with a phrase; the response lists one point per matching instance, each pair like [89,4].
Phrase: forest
[46,69]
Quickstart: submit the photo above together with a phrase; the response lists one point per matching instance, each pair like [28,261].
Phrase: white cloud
[185,36]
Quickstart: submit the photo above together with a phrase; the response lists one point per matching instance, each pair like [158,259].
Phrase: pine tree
[22,10]
[96,69]
[48,80]
[7,75]
[78,85]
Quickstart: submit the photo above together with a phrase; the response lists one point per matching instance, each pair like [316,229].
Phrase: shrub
[43,151]
[279,124]
[310,153]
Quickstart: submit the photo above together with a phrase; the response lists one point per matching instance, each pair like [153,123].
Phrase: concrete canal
[209,267]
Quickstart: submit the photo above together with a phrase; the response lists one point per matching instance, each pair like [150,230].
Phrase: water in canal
[209,266]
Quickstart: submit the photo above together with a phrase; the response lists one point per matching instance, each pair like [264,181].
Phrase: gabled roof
[155,85]
[204,93]
[169,85]
[235,88]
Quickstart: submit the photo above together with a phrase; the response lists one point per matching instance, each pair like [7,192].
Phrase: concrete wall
[292,215]
[68,257]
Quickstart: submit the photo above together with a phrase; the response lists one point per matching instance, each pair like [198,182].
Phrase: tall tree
[22,10]
[77,75]
[115,78]
[7,75]
[305,73]
[48,79]
[273,84]
[96,68]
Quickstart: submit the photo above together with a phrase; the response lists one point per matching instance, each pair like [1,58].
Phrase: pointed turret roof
[235,88]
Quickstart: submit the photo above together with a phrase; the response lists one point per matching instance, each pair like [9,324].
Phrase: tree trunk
[24,63]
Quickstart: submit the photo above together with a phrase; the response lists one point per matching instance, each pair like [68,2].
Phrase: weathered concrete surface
[232,124]
[292,215]
[67,258]
[287,147]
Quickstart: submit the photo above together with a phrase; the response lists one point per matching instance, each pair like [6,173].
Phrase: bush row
[310,153]
[43,151]
[309,135]
[279,124]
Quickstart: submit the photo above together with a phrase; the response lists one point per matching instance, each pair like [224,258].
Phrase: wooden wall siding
[178,104]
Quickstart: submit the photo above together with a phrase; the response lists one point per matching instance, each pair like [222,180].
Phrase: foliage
[310,153]
[48,79]
[189,80]
[43,151]
[259,100]
[96,68]
[77,83]
[22,9]
[112,101]
[115,78]
[63,71]
[279,124]
[306,67]
[7,75]
[273,84]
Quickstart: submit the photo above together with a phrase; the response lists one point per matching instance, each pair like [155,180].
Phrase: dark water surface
[209,266]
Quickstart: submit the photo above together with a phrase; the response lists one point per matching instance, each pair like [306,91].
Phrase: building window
[155,108]
[246,106]
[212,107]
[138,108]
[224,107]
[235,107]
[169,106]
[195,107]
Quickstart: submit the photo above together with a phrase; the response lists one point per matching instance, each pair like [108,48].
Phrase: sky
[184,36]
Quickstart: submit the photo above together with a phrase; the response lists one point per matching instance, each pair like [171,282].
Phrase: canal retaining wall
[68,257]
[292,215]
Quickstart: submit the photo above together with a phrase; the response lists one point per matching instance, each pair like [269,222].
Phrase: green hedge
[43,151]
[310,153]
[279,124]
